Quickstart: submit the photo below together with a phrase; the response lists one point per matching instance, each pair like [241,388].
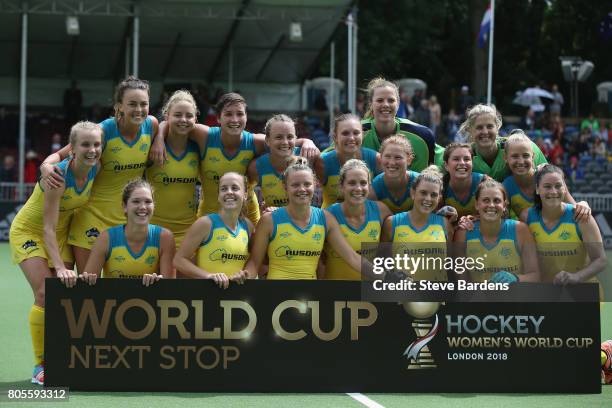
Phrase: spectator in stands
[543,146]
[573,171]
[320,102]
[556,127]
[435,114]
[422,115]
[529,120]
[405,109]
[581,145]
[96,114]
[416,99]
[555,152]
[598,150]
[31,167]
[465,100]
[8,172]
[556,105]
[56,142]
[320,137]
[590,123]
[452,126]
[360,104]
[73,102]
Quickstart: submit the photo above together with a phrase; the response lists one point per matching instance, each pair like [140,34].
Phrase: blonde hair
[281,117]
[472,113]
[400,141]
[378,82]
[518,136]
[295,164]
[352,164]
[82,126]
[430,174]
[179,96]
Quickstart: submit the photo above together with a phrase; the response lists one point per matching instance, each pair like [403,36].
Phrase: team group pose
[126,190]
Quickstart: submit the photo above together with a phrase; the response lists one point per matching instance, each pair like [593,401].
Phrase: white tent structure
[264,48]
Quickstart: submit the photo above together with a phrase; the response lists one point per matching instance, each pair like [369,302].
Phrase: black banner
[310,336]
[8,211]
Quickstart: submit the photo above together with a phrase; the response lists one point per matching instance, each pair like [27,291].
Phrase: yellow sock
[37,331]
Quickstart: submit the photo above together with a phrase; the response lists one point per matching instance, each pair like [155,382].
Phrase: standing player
[347,136]
[266,171]
[136,249]
[293,236]
[230,148]
[393,186]
[569,251]
[219,241]
[482,125]
[126,142]
[174,182]
[360,219]
[506,246]
[420,230]
[381,122]
[39,232]
[459,180]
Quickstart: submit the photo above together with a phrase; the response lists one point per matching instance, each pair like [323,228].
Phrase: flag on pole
[485,28]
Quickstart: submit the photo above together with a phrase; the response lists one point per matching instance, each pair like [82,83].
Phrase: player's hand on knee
[89,278]
[150,278]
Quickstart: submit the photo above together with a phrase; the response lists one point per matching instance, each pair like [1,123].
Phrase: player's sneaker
[606,367]
[38,376]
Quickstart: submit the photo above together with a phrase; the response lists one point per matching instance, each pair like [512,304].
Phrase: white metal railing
[597,202]
[10,191]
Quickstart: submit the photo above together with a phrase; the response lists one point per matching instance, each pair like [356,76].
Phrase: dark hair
[342,118]
[227,99]
[539,174]
[133,185]
[447,152]
[131,82]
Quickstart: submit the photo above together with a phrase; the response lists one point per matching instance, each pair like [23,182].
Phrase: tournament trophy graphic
[417,352]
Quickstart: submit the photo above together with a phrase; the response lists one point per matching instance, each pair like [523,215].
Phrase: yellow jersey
[383,194]
[518,200]
[121,161]
[174,184]
[503,255]
[294,252]
[368,232]
[427,245]
[468,205]
[122,262]
[270,182]
[224,251]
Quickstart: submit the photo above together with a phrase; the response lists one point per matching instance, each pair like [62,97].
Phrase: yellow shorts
[25,244]
[85,228]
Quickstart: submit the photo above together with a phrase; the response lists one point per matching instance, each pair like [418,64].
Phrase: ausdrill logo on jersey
[116,167]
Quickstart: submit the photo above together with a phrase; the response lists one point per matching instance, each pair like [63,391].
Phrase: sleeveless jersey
[331,183]
[503,255]
[467,206]
[224,251]
[369,231]
[294,252]
[214,163]
[121,162]
[498,170]
[175,191]
[421,138]
[426,244]
[518,200]
[122,262]
[270,182]
[559,248]
[26,234]
[383,194]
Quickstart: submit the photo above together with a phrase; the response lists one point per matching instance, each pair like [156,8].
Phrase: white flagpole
[490,69]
